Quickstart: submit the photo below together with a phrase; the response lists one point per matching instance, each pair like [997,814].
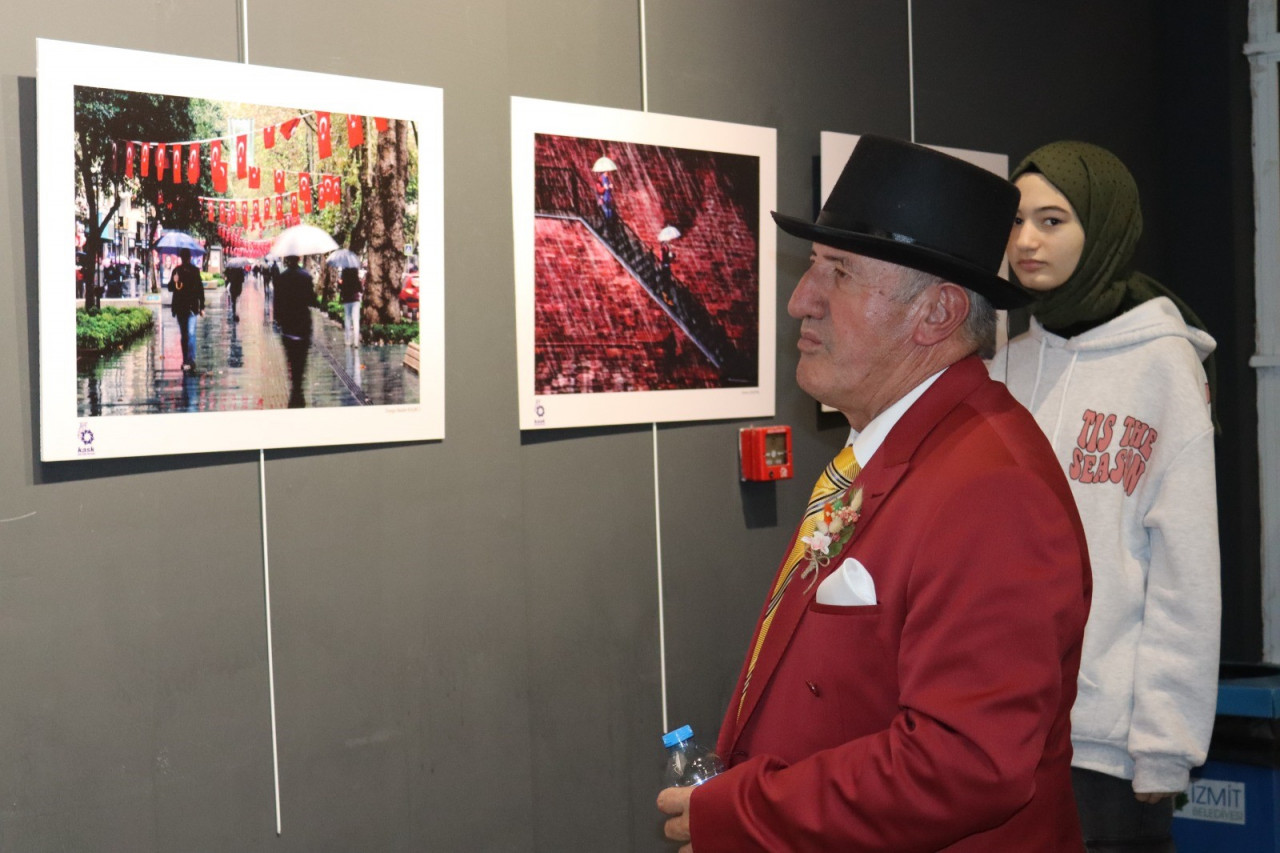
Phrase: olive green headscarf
[1104,284]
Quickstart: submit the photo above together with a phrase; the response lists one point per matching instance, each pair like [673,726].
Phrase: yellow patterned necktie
[835,478]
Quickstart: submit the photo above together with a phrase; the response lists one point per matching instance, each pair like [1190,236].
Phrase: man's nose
[799,305]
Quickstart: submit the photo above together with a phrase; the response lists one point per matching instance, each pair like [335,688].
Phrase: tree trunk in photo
[384,226]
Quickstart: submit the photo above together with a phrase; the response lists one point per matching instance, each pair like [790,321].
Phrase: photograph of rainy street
[646,267]
[237,256]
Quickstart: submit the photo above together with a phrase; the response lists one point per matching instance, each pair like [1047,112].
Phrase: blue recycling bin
[1233,802]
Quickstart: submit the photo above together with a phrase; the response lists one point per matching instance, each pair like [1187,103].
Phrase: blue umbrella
[174,241]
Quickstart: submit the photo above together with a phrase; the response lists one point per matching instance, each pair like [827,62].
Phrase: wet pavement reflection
[240,365]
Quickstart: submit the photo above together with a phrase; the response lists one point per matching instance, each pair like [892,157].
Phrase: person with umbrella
[187,304]
[349,291]
[666,254]
[604,188]
[294,295]
[235,284]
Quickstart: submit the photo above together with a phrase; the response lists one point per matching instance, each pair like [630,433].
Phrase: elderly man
[910,681]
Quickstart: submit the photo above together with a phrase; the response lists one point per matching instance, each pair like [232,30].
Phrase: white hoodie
[1125,407]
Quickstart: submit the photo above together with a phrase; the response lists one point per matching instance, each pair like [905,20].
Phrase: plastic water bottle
[688,764]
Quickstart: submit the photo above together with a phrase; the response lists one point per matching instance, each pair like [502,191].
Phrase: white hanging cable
[271,665]
[657,504]
[662,621]
[244,31]
[644,63]
[242,9]
[911,70]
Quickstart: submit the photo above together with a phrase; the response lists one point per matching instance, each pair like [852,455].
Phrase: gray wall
[434,693]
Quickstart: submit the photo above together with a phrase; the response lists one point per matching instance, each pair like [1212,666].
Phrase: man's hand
[675,802]
[1154,796]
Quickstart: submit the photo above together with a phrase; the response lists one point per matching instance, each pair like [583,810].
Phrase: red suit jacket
[938,718]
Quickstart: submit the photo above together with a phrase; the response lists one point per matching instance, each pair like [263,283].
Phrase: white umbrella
[669,232]
[344,259]
[604,164]
[302,240]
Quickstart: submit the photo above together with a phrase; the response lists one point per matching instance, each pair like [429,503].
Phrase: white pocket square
[848,586]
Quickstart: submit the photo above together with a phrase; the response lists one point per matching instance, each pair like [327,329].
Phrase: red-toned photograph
[648,269]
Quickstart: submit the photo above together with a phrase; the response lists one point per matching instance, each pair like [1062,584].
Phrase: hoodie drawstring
[1031,404]
[1062,405]
[1035,388]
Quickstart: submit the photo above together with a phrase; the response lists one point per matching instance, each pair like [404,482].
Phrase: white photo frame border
[530,117]
[63,65]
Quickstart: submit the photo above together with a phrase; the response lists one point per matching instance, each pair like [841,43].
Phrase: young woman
[1112,372]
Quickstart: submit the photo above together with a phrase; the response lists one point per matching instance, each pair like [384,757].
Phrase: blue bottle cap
[683,733]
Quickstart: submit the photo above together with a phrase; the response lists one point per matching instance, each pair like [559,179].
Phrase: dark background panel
[468,649]
[1164,85]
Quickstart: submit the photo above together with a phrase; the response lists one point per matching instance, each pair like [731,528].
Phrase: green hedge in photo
[378,333]
[107,328]
[390,333]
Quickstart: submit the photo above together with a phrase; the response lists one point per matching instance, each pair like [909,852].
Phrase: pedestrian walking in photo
[294,295]
[187,305]
[235,284]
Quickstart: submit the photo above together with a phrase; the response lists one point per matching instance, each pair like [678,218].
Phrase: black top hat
[920,208]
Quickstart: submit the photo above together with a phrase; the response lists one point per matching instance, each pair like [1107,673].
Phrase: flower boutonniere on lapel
[832,532]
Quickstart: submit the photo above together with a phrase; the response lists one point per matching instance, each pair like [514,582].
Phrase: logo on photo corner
[539,413]
[85,435]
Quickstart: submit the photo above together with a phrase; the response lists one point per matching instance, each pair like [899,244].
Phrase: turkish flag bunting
[146,157]
[287,129]
[382,124]
[175,152]
[128,159]
[324,135]
[257,212]
[322,197]
[208,205]
[279,180]
[293,204]
[242,156]
[193,163]
[255,177]
[355,130]
[160,162]
[244,211]
[279,207]
[269,136]
[215,153]
[304,190]
[231,218]
[219,175]
[266,209]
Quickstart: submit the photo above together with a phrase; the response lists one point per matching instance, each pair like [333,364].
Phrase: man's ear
[943,309]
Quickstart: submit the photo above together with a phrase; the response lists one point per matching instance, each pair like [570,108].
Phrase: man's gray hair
[979,326]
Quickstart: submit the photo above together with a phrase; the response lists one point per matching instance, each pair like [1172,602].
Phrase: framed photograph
[644,266]
[234,257]
[835,149]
